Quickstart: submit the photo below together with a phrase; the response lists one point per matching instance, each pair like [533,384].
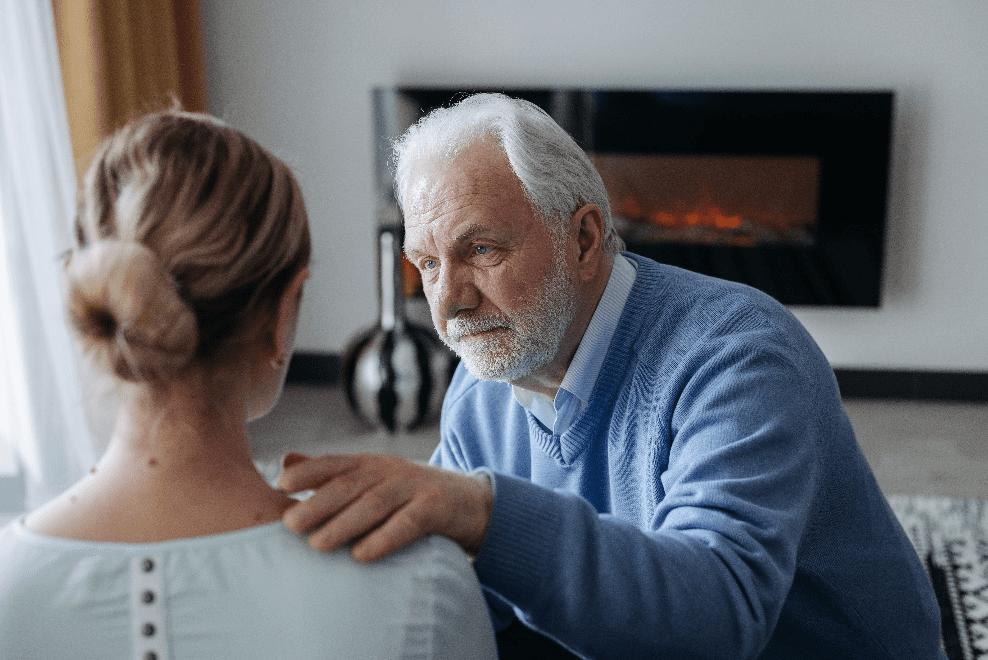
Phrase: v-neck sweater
[710,502]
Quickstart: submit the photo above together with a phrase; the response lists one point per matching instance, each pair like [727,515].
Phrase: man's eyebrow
[467,234]
[410,252]
[471,231]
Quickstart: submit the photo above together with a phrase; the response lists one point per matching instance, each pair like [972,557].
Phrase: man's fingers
[307,473]
[397,531]
[360,517]
[291,458]
[381,503]
[332,497]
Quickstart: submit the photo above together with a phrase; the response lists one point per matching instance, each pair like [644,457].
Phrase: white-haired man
[643,461]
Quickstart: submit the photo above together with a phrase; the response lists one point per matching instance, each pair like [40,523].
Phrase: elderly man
[643,461]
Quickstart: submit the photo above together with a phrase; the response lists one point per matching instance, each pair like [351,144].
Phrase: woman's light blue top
[261,592]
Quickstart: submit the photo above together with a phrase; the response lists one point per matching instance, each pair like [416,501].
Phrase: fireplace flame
[704,215]
[738,201]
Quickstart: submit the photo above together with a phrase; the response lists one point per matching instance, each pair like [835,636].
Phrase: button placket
[147,606]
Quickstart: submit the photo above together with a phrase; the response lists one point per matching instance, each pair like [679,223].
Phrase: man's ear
[287,318]
[588,224]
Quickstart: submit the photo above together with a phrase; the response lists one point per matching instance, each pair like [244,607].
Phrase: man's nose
[453,292]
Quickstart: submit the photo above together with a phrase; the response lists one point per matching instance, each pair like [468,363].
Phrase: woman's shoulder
[429,561]
[426,594]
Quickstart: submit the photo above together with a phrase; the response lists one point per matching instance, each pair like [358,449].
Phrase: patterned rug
[951,536]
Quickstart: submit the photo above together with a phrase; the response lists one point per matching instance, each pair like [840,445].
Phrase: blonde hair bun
[128,312]
[180,195]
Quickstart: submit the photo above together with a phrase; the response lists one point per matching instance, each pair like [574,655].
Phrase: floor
[914,447]
[925,448]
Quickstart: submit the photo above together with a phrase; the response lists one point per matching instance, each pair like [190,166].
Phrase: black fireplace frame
[848,131]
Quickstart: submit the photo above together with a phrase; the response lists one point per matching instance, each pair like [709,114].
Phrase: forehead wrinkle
[441,199]
[436,202]
[481,171]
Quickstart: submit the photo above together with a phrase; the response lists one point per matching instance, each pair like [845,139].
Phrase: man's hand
[383,503]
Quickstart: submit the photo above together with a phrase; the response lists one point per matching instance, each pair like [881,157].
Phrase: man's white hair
[556,175]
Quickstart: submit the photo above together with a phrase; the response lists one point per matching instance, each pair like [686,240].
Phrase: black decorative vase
[396,373]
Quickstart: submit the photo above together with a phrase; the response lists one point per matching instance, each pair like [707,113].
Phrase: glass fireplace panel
[742,201]
[784,190]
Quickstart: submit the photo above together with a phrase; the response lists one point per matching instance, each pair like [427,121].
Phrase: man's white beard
[529,337]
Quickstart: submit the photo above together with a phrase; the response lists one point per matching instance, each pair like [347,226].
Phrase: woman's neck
[183,430]
[178,465]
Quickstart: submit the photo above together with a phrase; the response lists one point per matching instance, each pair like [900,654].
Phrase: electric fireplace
[781,190]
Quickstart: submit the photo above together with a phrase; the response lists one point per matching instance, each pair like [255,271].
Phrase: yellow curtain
[123,58]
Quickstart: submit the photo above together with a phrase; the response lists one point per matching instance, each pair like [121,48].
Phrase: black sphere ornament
[396,373]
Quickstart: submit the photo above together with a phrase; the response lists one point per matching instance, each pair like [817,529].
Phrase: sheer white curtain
[43,402]
[8,459]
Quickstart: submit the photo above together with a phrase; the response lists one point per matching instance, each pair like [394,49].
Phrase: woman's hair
[556,175]
[188,234]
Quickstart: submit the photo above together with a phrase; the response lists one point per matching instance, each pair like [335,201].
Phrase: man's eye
[482,249]
[428,264]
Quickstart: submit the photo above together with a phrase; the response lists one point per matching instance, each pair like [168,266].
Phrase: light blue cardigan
[711,502]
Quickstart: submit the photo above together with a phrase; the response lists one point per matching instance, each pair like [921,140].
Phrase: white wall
[297,76]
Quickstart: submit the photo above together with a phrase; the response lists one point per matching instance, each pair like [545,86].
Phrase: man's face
[499,289]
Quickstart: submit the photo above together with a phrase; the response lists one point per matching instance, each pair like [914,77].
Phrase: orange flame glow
[706,215]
